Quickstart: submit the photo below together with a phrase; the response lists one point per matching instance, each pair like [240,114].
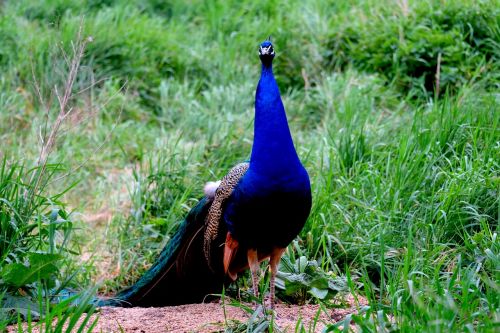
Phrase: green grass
[404,167]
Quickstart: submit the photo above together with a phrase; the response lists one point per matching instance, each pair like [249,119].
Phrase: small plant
[34,241]
[298,282]
[258,322]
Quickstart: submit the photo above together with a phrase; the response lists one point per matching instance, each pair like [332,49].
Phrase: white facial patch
[267,50]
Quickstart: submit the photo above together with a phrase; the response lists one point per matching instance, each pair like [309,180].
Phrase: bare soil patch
[210,317]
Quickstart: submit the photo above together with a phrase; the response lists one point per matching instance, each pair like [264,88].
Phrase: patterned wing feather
[214,216]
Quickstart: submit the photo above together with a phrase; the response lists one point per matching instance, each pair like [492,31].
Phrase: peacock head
[266,52]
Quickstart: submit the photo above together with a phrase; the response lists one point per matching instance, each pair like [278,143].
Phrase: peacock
[250,215]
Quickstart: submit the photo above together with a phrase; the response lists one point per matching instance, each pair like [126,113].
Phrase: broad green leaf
[16,274]
[41,266]
[319,293]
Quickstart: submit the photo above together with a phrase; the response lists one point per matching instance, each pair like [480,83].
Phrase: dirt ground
[209,317]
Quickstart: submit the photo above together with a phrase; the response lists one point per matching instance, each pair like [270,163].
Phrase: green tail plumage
[181,274]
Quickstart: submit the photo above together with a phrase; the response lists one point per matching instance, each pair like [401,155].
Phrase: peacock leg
[274,261]
[253,262]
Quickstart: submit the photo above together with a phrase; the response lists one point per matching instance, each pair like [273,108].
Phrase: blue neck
[273,152]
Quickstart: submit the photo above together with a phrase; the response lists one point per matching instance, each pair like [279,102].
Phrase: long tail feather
[181,274]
